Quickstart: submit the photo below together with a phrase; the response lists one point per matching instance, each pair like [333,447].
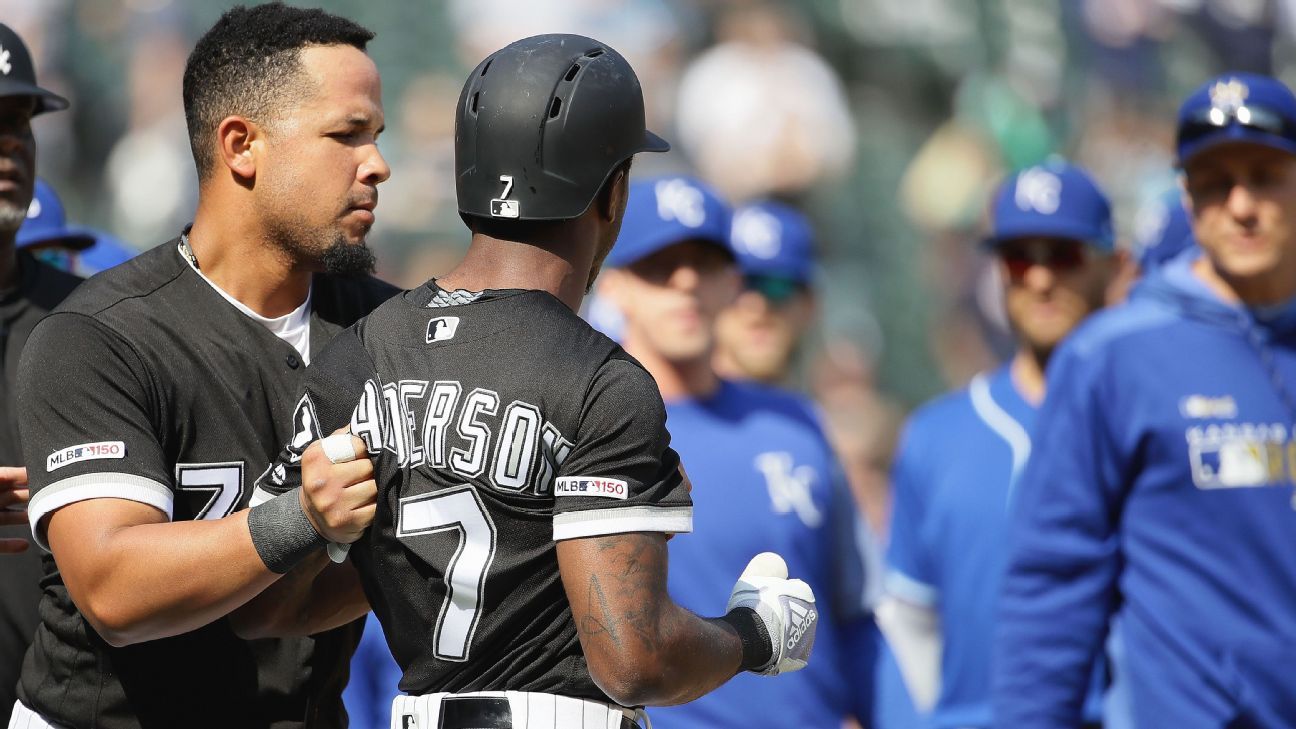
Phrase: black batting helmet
[542,123]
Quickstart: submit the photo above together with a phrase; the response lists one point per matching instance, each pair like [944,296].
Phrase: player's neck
[1277,287]
[676,379]
[1028,375]
[233,252]
[558,267]
[726,365]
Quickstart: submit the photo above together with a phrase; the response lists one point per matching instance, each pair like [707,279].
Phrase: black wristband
[757,648]
[281,533]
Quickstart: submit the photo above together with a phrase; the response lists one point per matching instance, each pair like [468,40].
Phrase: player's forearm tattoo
[628,597]
[599,620]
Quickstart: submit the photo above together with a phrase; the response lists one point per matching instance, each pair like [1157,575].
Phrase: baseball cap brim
[801,272]
[45,100]
[70,237]
[1235,133]
[1052,229]
[654,143]
[660,239]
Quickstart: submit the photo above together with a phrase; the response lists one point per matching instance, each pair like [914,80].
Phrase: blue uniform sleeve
[911,575]
[374,680]
[1064,559]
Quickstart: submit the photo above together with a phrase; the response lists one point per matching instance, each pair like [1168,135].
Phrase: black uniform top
[499,422]
[40,288]
[146,384]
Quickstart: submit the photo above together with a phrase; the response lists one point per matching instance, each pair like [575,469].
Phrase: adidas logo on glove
[785,607]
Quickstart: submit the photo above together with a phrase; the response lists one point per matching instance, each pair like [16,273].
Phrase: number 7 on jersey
[457,509]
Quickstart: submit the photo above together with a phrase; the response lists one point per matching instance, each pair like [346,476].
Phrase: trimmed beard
[348,259]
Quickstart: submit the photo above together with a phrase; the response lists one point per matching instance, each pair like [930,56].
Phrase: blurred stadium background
[887,121]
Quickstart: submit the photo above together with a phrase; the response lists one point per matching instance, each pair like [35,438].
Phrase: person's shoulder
[564,335]
[135,280]
[948,411]
[774,405]
[343,300]
[772,397]
[1118,327]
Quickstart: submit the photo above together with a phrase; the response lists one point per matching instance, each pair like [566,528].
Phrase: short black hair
[246,64]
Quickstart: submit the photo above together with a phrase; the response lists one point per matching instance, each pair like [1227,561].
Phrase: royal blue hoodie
[1159,488]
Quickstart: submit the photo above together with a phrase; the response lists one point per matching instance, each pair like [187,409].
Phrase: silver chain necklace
[187,252]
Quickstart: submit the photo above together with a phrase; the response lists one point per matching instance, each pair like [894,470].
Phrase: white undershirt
[293,327]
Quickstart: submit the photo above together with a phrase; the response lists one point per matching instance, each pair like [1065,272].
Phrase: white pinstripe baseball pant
[530,711]
[24,718]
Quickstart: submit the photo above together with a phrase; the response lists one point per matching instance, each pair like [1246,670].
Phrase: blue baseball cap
[772,239]
[1055,200]
[1237,107]
[1161,231]
[46,224]
[663,211]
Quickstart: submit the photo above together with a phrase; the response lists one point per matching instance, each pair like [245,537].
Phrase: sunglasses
[1209,121]
[777,289]
[1061,256]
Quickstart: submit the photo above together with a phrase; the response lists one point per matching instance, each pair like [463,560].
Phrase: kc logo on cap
[1229,95]
[1038,189]
[678,200]
[5,65]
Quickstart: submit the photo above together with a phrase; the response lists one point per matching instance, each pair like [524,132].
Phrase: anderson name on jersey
[498,422]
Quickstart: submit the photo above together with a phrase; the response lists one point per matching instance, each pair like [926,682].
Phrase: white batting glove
[784,608]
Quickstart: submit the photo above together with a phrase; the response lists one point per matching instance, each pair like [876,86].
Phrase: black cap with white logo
[18,75]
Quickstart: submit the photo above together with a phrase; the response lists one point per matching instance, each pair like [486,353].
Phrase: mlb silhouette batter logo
[442,328]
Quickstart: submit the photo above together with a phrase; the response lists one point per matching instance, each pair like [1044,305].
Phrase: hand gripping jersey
[1159,488]
[147,385]
[498,422]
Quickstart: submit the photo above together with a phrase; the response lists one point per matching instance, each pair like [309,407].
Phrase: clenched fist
[338,491]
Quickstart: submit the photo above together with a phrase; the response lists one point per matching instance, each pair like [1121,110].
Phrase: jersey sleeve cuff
[95,486]
[600,522]
[260,496]
[898,584]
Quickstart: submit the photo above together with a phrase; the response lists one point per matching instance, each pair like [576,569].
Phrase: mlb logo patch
[504,208]
[442,328]
[85,452]
[607,488]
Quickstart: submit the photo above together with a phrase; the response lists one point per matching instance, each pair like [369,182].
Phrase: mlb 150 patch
[608,488]
[85,452]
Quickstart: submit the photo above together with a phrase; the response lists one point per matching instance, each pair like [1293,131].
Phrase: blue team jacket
[1160,489]
[765,478]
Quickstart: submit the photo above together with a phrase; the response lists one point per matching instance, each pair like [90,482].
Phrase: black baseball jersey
[147,385]
[40,288]
[498,423]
